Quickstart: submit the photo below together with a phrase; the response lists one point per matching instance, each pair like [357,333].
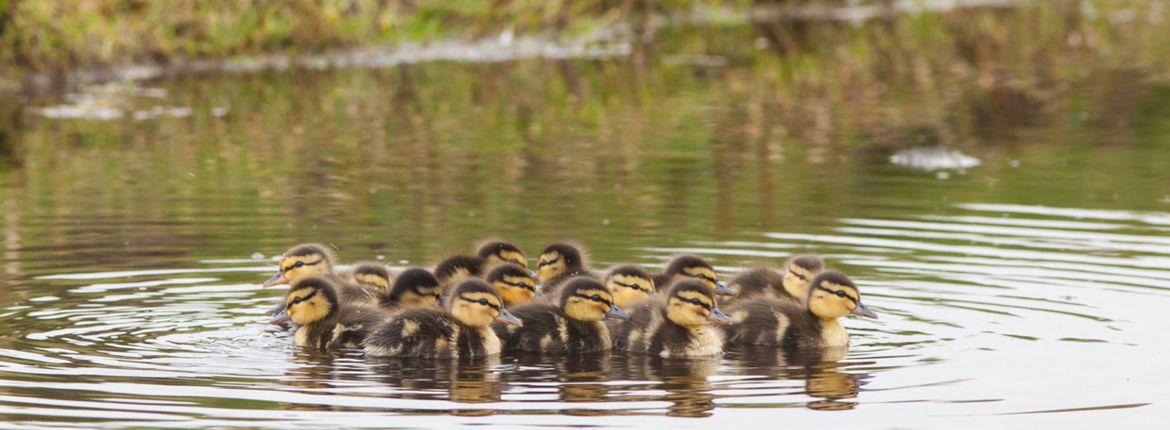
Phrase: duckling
[324,322]
[457,268]
[370,275]
[514,284]
[558,263]
[691,266]
[630,285]
[792,285]
[573,325]
[414,288]
[312,260]
[495,252]
[460,331]
[777,322]
[677,326]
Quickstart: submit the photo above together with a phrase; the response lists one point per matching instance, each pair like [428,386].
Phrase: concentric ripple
[1045,301]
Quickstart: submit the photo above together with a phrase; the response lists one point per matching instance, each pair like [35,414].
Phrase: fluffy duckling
[514,284]
[777,322]
[414,288]
[312,260]
[573,325]
[558,263]
[324,322]
[630,285]
[370,275]
[496,252]
[792,285]
[692,267]
[677,326]
[456,268]
[460,331]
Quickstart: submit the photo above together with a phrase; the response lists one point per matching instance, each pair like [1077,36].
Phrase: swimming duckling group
[473,306]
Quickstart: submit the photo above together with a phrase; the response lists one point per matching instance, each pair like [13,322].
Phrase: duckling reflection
[311,375]
[686,382]
[820,369]
[429,379]
[581,378]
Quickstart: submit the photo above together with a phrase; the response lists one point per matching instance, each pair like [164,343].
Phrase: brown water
[1029,290]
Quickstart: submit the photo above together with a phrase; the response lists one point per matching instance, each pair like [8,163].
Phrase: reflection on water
[1025,290]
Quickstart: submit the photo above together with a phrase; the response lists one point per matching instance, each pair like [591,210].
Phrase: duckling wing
[768,321]
[355,324]
[412,333]
[543,330]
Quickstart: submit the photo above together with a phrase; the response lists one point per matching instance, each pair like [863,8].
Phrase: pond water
[1029,288]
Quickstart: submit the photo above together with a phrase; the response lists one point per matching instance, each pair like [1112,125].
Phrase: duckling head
[587,299]
[514,284]
[501,251]
[475,303]
[458,267]
[833,295]
[692,304]
[310,300]
[300,262]
[415,288]
[798,271]
[558,258]
[630,285]
[371,275]
[695,267]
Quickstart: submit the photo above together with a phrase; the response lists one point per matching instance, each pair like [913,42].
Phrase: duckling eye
[840,294]
[297,301]
[299,264]
[798,275]
[696,302]
[596,298]
[484,302]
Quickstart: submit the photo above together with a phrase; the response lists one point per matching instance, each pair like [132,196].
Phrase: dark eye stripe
[294,265]
[798,275]
[305,298]
[635,287]
[607,302]
[834,292]
[548,262]
[476,301]
[520,285]
[697,302]
[702,276]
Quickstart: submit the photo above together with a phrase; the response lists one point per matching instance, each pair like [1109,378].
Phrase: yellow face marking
[411,299]
[515,295]
[629,290]
[372,281]
[830,300]
[475,309]
[307,306]
[701,273]
[550,265]
[796,280]
[508,257]
[304,266]
[588,305]
[683,310]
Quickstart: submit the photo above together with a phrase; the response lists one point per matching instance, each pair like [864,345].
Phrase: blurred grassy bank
[811,45]
[52,37]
